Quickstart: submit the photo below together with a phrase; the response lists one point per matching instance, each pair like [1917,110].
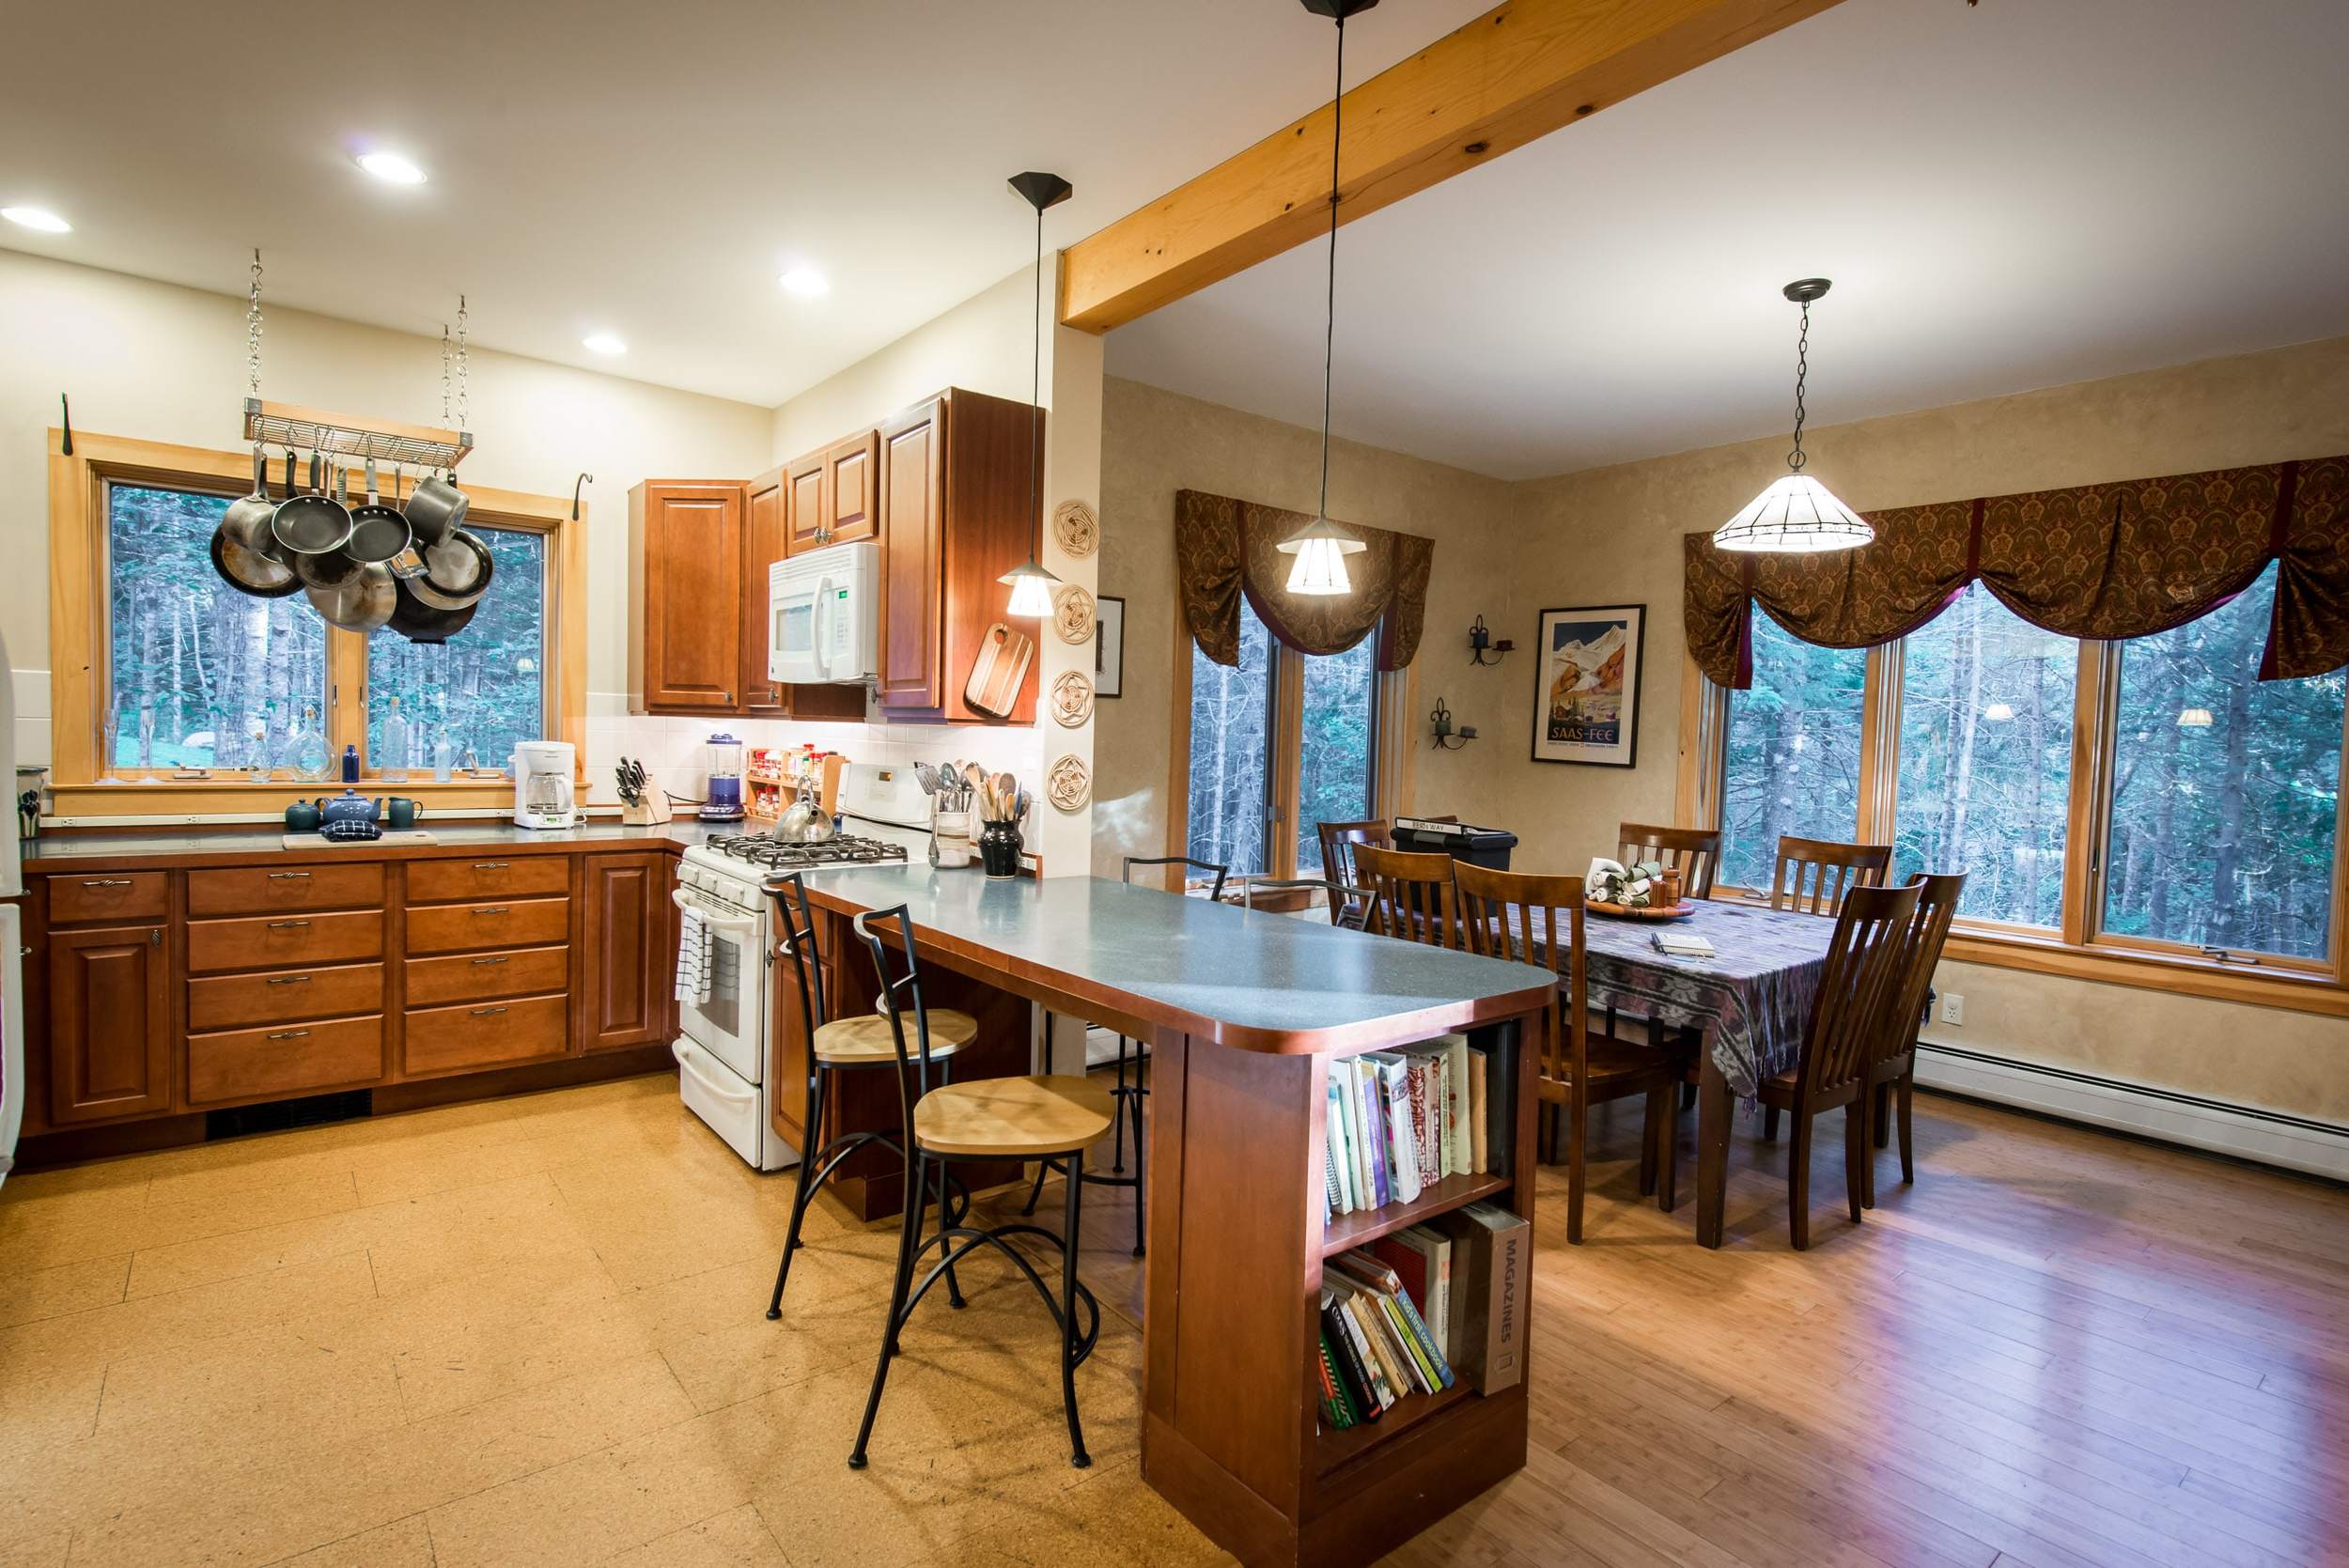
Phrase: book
[1402,1152]
[1492,1275]
[1386,1341]
[1340,1163]
[1501,1109]
[1337,1407]
[1388,1380]
[1354,1375]
[1421,1260]
[1456,1107]
[1681,944]
[1366,1273]
[1372,1111]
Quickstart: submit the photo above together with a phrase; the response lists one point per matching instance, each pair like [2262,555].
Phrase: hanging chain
[1329,311]
[1802,372]
[447,355]
[253,332]
[1036,376]
[463,402]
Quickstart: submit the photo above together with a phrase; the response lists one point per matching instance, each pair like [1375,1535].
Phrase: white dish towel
[692,957]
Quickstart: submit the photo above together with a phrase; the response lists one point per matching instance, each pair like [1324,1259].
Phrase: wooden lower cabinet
[285,1060]
[283,942]
[480,1034]
[110,1030]
[248,1001]
[472,927]
[484,976]
[626,985]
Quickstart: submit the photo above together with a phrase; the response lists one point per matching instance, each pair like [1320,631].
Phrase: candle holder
[1446,737]
[1481,642]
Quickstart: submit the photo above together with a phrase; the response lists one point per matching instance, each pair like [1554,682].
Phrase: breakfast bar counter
[1243,1012]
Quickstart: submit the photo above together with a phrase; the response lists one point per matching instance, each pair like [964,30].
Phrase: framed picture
[1108,647]
[1586,705]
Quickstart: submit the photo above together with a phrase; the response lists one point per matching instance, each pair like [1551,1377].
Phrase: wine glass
[146,744]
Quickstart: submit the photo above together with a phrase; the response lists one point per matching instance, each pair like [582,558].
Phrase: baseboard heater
[2246,1132]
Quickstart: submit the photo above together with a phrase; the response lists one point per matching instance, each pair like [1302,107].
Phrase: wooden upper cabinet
[852,486]
[109,1024]
[766,525]
[912,650]
[686,600]
[810,502]
[624,993]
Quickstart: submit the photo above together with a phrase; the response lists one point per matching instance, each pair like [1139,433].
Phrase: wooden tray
[1681,910]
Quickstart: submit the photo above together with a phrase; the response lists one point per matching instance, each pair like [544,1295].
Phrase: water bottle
[444,758]
[394,768]
[309,746]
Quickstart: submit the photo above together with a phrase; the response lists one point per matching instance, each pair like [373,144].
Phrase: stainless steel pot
[435,510]
[314,523]
[457,573]
[363,603]
[246,523]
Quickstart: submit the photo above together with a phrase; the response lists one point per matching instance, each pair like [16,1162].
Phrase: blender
[722,799]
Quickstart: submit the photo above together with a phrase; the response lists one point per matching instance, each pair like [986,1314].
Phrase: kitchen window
[169,689]
[1793,750]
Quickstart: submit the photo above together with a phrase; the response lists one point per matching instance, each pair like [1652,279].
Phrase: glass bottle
[393,765]
[114,747]
[309,746]
[443,757]
[257,760]
[351,764]
[146,744]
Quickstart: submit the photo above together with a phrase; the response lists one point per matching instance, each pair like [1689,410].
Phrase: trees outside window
[1791,755]
[484,688]
[1340,713]
[1231,752]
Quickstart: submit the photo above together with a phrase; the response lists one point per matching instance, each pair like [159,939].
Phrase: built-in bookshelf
[1347,1230]
[1335,1446]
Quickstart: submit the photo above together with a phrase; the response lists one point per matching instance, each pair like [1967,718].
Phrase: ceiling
[2015,195]
[643,170]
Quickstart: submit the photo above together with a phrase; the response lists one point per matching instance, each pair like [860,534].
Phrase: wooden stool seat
[1013,1118]
[867,1041]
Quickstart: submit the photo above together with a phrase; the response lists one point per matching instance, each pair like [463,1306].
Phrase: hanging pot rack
[335,435]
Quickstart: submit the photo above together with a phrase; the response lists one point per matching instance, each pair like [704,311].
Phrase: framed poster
[1586,705]
[1108,647]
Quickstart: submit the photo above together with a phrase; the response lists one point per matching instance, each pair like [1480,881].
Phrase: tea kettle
[806,822]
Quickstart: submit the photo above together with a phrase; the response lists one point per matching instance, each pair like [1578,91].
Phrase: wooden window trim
[78,650]
[2077,950]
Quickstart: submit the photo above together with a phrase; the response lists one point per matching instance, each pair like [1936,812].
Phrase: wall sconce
[1446,737]
[1481,642]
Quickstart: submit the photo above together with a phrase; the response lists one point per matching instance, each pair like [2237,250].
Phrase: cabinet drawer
[520,877]
[470,978]
[238,1000]
[117,895]
[283,942]
[462,927]
[297,1059]
[485,1034]
[252,890]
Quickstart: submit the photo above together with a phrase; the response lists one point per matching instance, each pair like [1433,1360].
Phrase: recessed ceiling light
[36,217]
[604,343]
[391,169]
[806,282]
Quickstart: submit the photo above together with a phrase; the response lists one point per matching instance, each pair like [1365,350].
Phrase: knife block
[650,811]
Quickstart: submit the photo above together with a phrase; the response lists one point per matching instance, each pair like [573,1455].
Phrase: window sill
[240,800]
[2179,974]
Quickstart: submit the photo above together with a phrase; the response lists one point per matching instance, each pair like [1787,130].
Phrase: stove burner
[771,853]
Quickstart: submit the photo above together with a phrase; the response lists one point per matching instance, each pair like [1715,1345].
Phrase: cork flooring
[533,1332]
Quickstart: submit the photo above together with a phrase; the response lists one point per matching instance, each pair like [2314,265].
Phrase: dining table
[1749,1003]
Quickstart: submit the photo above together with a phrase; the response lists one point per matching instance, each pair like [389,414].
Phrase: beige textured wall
[1154,443]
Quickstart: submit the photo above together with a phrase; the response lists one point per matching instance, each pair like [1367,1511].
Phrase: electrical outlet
[1953,1009]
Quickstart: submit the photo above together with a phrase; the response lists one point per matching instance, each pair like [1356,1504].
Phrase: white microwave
[820,610]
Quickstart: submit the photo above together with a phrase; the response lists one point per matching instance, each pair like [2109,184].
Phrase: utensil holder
[998,848]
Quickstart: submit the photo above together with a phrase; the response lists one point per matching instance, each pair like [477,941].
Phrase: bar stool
[1127,1097]
[993,1119]
[840,1045]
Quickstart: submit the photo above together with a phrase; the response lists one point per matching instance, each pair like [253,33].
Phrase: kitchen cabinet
[474,1035]
[627,964]
[832,495]
[285,1060]
[685,627]
[110,1034]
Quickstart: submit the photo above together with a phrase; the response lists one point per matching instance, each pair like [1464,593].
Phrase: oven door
[732,1024]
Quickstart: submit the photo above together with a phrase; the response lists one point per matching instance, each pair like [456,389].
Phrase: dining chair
[1696,852]
[1410,895]
[1893,1071]
[1860,987]
[1814,874]
[1537,919]
[1253,888]
[1336,838]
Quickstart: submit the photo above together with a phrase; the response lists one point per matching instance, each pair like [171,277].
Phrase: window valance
[1225,548]
[2105,562]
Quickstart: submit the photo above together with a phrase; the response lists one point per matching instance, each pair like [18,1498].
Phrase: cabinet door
[912,518]
[109,1024]
[808,511]
[851,477]
[692,566]
[624,997]
[766,518]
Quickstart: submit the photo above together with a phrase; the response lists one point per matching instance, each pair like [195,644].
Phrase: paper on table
[1681,944]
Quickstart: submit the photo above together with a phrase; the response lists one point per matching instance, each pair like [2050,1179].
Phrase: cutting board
[1001,669]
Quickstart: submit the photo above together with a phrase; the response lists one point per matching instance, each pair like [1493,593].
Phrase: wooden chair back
[1858,989]
[1814,874]
[1205,868]
[1936,908]
[1410,895]
[1696,852]
[1253,888]
[1337,864]
[1515,914]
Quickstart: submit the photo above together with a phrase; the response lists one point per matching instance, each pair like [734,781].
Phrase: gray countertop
[79,848]
[1251,979]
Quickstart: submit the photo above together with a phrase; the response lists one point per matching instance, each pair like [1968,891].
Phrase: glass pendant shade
[1320,548]
[1031,590]
[1797,512]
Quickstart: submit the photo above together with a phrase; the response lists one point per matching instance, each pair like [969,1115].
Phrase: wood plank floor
[533,1332]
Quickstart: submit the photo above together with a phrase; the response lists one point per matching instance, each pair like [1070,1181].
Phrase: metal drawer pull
[107,882]
[288,924]
[485,1011]
[489,865]
[492,909]
[290,1034]
[499,960]
[292,980]
[289,875]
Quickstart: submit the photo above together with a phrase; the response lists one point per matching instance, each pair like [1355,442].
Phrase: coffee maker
[542,785]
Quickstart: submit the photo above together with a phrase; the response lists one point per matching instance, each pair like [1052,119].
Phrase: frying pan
[420,622]
[314,523]
[246,524]
[378,534]
[248,572]
[456,574]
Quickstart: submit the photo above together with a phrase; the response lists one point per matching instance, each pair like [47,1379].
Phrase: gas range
[759,855]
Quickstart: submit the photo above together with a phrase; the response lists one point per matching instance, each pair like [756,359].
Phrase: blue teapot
[350,806]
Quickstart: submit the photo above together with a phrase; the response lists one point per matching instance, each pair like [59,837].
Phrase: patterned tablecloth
[1752,997]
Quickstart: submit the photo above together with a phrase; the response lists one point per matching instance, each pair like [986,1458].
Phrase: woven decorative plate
[1068,783]
[1072,698]
[1072,614]
[1076,529]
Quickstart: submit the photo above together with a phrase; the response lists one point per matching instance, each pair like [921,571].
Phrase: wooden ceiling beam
[1515,73]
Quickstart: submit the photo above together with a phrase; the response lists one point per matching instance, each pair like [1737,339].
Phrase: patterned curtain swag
[2107,562]
[1227,548]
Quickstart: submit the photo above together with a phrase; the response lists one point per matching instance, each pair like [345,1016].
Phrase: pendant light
[1031,584]
[1797,512]
[1321,547]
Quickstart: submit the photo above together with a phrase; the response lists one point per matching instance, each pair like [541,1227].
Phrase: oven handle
[747,925]
[684,1052]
